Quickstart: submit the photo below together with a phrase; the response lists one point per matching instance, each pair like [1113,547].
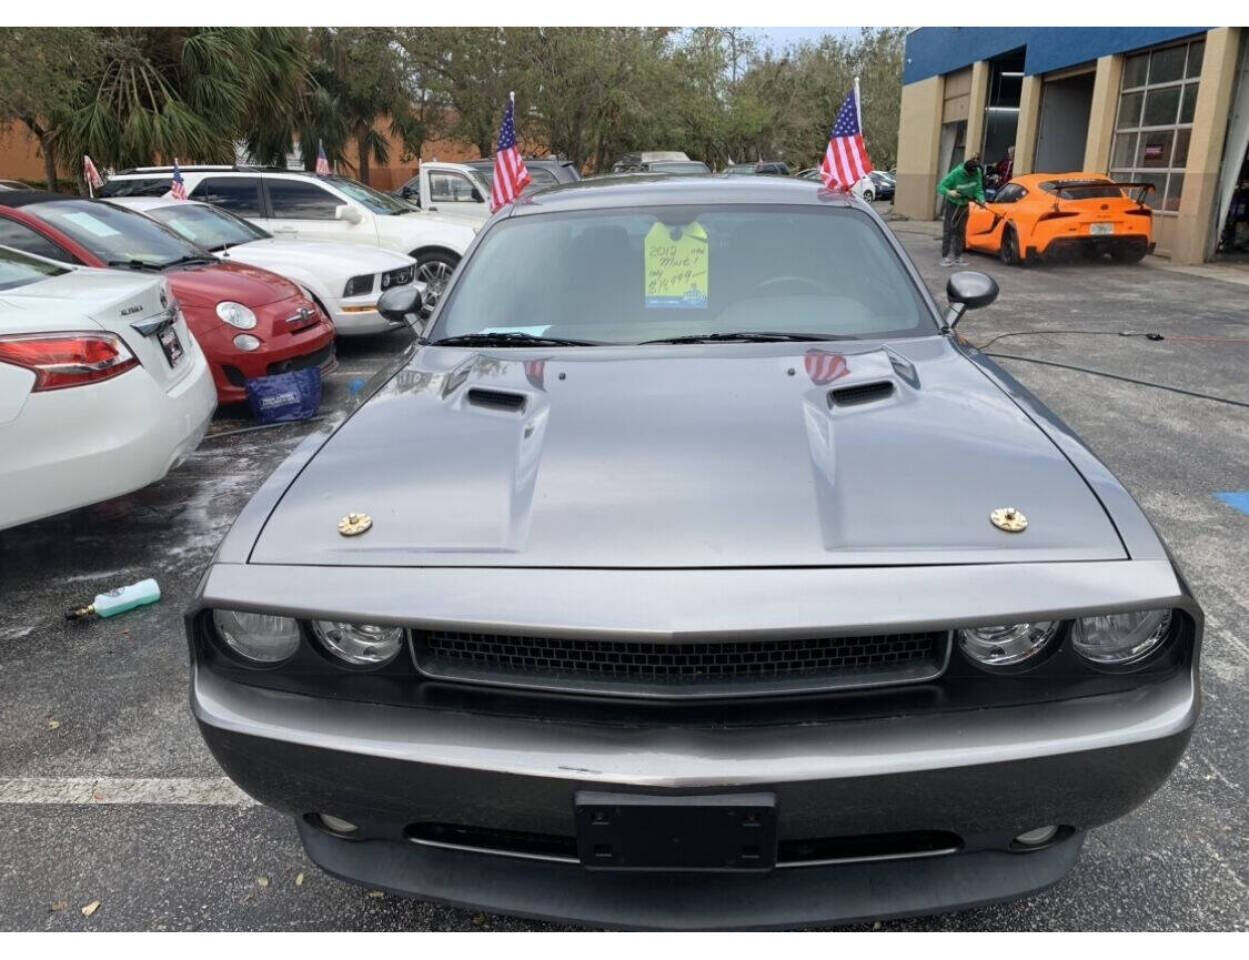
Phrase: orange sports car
[1044,215]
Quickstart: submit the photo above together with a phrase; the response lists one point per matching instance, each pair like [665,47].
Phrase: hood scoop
[860,393]
[497,399]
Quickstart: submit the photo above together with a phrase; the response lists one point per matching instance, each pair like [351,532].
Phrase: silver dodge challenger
[690,571]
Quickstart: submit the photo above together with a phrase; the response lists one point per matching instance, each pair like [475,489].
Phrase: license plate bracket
[170,345]
[716,832]
[1101,229]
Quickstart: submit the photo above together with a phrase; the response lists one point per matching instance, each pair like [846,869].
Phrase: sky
[778,38]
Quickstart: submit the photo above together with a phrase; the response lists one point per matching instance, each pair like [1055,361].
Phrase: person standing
[958,188]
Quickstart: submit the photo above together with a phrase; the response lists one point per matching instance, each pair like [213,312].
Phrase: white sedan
[344,278]
[103,389]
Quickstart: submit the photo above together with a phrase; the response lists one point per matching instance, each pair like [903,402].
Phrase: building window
[1155,120]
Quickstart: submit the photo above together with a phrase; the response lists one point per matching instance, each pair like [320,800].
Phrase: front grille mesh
[681,668]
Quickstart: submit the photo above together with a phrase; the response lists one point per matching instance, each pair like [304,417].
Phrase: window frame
[1165,201]
[255,181]
[271,210]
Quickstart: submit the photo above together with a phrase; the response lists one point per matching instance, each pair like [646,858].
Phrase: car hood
[726,455]
[336,260]
[248,285]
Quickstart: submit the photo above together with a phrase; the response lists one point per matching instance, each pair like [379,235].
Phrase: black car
[884,184]
[542,173]
[764,168]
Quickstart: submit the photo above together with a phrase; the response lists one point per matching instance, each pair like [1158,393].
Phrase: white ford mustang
[103,389]
[345,278]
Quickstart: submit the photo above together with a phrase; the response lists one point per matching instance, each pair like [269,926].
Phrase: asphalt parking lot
[108,794]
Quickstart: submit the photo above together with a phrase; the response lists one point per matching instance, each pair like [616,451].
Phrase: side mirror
[348,213]
[477,197]
[402,304]
[968,290]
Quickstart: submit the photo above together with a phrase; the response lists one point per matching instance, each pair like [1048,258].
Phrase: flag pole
[858,106]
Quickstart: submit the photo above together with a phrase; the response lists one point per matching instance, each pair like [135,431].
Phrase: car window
[18,271]
[541,176]
[14,234]
[625,276]
[301,200]
[369,198]
[210,227]
[137,187]
[115,235]
[449,187]
[239,195]
[1010,193]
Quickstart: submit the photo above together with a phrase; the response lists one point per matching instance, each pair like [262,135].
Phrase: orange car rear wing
[1143,188]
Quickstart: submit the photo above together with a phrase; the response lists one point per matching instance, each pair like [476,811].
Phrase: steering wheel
[765,287]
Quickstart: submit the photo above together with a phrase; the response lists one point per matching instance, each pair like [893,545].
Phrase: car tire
[1008,252]
[868,196]
[434,268]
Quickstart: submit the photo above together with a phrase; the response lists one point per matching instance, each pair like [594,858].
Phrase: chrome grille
[723,668]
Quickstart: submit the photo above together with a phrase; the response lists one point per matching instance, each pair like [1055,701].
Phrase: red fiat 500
[249,322]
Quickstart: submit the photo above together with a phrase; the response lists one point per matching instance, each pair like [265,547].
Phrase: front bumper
[985,776]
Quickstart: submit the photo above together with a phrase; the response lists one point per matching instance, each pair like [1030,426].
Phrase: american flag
[510,174]
[91,174]
[178,190]
[323,163]
[824,367]
[845,160]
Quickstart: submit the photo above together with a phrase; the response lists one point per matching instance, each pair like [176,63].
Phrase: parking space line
[179,791]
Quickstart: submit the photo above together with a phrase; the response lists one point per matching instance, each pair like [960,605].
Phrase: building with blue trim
[1163,105]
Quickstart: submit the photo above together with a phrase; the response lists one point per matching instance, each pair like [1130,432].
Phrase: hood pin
[354,524]
[1009,519]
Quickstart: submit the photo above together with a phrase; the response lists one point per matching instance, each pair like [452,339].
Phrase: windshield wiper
[131,265]
[509,338]
[747,336]
[188,259]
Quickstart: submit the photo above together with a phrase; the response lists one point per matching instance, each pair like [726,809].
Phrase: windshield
[628,276]
[117,236]
[17,269]
[210,227]
[680,166]
[376,201]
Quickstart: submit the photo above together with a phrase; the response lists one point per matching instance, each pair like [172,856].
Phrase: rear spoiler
[1142,186]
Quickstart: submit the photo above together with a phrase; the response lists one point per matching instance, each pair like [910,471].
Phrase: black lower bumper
[803,896]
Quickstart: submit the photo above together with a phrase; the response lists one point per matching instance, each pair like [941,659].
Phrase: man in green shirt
[958,188]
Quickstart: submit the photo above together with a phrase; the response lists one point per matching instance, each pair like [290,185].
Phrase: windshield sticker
[89,223]
[532,331]
[676,267]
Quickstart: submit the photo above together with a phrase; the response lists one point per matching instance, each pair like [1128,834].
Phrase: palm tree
[182,92]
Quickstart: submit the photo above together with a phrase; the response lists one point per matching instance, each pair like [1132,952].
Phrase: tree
[42,72]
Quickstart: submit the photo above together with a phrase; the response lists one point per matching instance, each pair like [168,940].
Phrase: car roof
[149,203]
[23,198]
[645,190]
[1032,178]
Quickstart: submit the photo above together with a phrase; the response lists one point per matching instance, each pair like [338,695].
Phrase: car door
[301,208]
[237,195]
[984,224]
[450,192]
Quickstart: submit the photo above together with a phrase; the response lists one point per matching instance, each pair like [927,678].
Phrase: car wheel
[868,196]
[1009,251]
[434,269]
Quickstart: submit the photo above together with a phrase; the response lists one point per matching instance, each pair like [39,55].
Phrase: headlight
[399,277]
[357,286]
[245,341]
[359,644]
[1007,645]
[1120,639]
[260,637]
[236,315]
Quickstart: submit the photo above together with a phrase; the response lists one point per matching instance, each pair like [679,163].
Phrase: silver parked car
[692,572]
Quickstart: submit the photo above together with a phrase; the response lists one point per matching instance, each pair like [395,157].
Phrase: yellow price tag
[676,267]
